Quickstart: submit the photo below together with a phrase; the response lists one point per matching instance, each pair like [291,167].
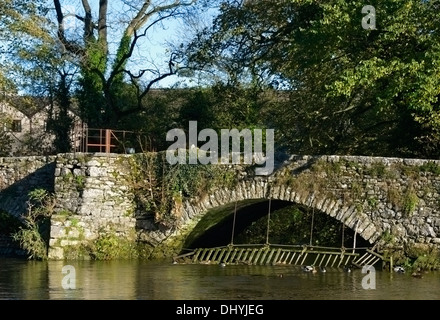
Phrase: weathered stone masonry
[390,201]
[92,199]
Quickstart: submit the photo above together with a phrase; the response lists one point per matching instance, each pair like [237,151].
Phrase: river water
[139,280]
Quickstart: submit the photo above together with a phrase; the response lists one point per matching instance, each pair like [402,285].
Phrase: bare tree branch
[102,24]
[68,45]
[117,67]
[88,23]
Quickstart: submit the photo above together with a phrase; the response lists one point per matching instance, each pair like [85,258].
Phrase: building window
[16,126]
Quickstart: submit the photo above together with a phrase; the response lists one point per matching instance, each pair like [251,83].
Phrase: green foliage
[378,169]
[225,106]
[373,202]
[33,236]
[425,258]
[431,167]
[293,225]
[31,240]
[5,144]
[90,97]
[387,237]
[61,123]
[197,180]
[110,246]
[410,202]
[160,113]
[430,261]
[39,197]
[80,182]
[64,212]
[410,171]
[158,186]
[347,89]
[95,60]
[34,66]
[5,137]
[121,61]
[218,107]
[115,77]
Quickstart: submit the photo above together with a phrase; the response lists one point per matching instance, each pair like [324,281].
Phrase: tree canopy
[110,46]
[329,77]
[93,54]
[351,89]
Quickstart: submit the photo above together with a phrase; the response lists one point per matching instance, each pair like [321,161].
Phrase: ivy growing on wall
[159,187]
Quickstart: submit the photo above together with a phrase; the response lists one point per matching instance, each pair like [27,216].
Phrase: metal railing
[272,254]
[103,140]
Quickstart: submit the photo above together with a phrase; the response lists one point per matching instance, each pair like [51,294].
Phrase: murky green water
[133,280]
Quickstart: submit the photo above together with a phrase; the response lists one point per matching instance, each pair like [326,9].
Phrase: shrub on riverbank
[33,235]
[423,258]
[414,257]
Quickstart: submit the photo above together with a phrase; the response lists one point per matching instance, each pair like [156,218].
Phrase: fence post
[107,140]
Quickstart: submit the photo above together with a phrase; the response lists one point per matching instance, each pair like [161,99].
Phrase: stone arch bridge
[385,200]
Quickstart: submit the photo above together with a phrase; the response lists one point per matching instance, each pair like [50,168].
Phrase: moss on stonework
[163,251]
[159,187]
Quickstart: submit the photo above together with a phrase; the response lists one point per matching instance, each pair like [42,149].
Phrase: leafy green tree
[217,107]
[348,88]
[34,234]
[110,46]
[90,51]
[5,140]
[296,225]
[60,122]
[26,45]
[34,66]
[223,106]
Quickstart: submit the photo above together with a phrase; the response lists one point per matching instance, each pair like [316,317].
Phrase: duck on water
[313,269]
[309,269]
[399,269]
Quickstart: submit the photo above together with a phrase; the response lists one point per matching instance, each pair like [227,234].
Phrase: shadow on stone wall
[14,198]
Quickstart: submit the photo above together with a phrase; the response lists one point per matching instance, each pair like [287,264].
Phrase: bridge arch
[387,201]
[258,190]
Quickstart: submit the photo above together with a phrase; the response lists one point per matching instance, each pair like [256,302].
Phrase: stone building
[24,120]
